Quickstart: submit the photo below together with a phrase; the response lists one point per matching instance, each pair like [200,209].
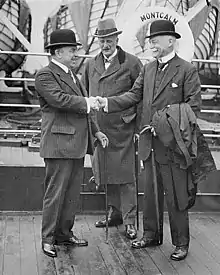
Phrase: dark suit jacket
[66,130]
[186,89]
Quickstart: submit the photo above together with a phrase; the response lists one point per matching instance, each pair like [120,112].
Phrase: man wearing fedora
[66,136]
[113,72]
[166,80]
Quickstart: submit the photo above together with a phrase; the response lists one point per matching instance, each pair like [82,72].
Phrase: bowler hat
[106,27]
[62,37]
[162,27]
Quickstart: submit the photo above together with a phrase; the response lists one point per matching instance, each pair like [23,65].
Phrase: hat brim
[175,34]
[106,35]
[63,44]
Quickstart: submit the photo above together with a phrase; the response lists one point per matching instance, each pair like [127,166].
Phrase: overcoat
[66,128]
[120,126]
[180,84]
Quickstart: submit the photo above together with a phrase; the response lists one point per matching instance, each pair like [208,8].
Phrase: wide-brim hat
[62,37]
[162,27]
[106,27]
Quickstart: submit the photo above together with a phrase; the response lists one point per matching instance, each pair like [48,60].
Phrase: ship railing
[216,87]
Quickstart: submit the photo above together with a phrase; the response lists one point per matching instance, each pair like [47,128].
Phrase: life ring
[136,28]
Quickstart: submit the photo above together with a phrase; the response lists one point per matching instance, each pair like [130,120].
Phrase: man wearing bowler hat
[165,81]
[66,136]
[113,72]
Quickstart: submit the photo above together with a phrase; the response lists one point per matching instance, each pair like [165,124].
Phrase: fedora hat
[162,27]
[106,27]
[63,37]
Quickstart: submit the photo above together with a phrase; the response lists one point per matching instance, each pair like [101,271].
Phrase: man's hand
[102,101]
[93,102]
[102,138]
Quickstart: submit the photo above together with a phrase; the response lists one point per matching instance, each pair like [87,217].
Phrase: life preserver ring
[137,27]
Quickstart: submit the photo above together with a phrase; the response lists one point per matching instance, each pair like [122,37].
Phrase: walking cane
[104,178]
[136,139]
[154,173]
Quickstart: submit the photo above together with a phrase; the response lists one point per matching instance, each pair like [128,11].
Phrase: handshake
[97,102]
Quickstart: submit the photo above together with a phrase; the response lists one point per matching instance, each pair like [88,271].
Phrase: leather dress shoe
[73,241]
[179,253]
[114,218]
[111,222]
[145,242]
[49,250]
[130,231]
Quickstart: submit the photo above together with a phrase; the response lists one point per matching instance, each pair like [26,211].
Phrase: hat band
[106,31]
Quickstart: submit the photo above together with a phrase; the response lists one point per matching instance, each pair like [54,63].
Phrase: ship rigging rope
[24,119]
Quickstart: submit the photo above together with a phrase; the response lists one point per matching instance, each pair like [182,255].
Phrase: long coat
[66,129]
[120,126]
[186,89]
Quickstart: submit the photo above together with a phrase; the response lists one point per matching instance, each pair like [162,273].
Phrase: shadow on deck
[20,249]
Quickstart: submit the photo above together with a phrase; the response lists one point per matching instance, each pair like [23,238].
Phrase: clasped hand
[97,102]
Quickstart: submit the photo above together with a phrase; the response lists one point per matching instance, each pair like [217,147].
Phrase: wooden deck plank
[204,255]
[87,260]
[46,265]
[167,248]
[208,227]
[196,267]
[20,250]
[28,248]
[206,243]
[12,252]
[156,255]
[123,251]
[112,261]
[63,262]
[2,242]
[142,256]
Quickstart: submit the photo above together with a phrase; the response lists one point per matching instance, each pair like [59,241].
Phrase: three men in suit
[158,86]
[66,136]
[113,72]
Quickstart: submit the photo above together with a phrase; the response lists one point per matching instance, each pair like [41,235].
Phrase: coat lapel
[170,72]
[66,78]
[80,86]
[99,64]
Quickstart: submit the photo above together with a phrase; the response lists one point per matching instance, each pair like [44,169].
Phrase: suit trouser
[179,221]
[123,197]
[62,191]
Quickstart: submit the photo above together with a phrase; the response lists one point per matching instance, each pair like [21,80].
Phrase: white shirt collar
[62,66]
[167,58]
[111,56]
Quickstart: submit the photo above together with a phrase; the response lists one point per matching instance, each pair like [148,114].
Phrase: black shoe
[49,250]
[111,222]
[145,242]
[130,231]
[180,253]
[114,218]
[72,241]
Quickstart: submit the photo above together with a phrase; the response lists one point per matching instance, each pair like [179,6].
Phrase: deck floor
[20,250]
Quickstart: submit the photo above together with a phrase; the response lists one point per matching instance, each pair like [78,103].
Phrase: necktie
[162,66]
[107,62]
[72,76]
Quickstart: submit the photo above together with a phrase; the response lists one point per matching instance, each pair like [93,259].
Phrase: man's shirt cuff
[88,105]
[105,109]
